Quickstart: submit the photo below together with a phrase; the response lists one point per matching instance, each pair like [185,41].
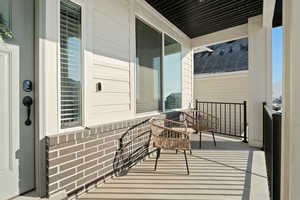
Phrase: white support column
[290,179]
[268,12]
[260,77]
[49,50]
[46,50]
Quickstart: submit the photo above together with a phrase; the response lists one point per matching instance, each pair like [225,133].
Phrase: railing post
[245,122]
[197,107]
[264,127]
[276,156]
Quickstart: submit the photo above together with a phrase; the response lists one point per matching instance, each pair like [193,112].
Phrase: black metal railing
[232,117]
[272,149]
[133,147]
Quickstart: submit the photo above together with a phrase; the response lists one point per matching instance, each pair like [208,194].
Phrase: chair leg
[187,164]
[200,140]
[213,134]
[149,155]
[157,157]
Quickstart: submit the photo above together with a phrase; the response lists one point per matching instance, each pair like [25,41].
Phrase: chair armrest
[174,137]
[200,118]
[170,126]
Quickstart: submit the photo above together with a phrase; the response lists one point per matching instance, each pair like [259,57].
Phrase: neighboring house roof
[226,57]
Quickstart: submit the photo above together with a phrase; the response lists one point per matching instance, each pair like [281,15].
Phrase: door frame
[40,143]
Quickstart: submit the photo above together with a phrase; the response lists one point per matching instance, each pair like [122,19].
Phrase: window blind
[70,67]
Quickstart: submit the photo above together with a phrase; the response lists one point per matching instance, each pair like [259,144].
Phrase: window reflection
[172,74]
[148,68]
[5,12]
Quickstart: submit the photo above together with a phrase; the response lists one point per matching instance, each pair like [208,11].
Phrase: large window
[158,86]
[148,68]
[70,69]
[172,73]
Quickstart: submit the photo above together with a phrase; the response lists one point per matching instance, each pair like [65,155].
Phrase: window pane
[70,71]
[148,68]
[5,12]
[172,74]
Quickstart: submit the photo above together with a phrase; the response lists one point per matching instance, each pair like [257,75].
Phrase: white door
[17,138]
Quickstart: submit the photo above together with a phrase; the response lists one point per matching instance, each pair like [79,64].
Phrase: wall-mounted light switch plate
[98,87]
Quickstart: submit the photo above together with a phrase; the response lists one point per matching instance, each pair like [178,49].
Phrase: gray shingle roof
[226,57]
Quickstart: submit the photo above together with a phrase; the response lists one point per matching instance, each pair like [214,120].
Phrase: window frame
[82,124]
[140,18]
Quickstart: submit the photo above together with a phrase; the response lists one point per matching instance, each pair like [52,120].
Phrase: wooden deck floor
[230,171]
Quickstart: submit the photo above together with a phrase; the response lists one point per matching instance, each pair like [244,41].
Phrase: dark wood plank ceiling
[200,17]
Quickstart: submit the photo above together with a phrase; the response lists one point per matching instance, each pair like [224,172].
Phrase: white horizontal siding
[109,58]
[109,73]
[224,87]
[110,62]
[113,48]
[187,78]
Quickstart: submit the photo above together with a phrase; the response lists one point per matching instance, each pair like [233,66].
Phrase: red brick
[52,171]
[70,187]
[71,164]
[52,155]
[94,143]
[86,165]
[93,169]
[70,150]
[94,156]
[61,176]
[86,152]
[87,179]
[61,160]
[70,179]
[53,187]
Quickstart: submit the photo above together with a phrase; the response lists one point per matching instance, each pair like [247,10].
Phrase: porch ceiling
[200,17]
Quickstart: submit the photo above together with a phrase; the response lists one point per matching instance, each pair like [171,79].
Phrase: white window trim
[151,113]
[82,4]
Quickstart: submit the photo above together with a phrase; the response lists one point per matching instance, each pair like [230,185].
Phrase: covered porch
[78,161]
[232,170]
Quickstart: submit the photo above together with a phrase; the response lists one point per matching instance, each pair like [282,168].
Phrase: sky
[277,54]
[172,69]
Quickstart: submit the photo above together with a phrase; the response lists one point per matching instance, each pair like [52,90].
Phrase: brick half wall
[78,159]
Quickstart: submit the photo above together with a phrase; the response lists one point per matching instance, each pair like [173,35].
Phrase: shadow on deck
[230,171]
